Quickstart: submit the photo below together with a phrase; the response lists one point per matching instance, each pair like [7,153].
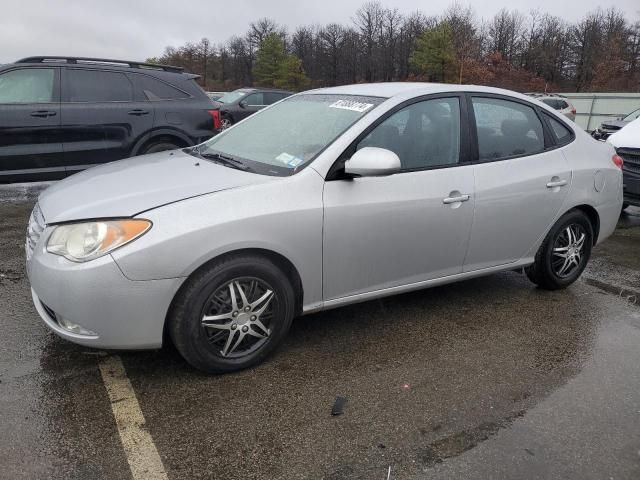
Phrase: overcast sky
[138,29]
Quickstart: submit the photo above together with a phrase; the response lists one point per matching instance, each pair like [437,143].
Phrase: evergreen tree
[434,54]
[269,59]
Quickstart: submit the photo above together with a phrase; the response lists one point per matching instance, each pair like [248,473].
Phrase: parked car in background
[215,95]
[239,104]
[627,144]
[60,115]
[327,198]
[610,127]
[557,102]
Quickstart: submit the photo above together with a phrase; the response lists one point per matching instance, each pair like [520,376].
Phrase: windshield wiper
[224,160]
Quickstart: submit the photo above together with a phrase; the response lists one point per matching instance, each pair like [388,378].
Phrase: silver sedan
[327,198]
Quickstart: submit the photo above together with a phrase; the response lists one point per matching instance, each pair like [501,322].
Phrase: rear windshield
[282,139]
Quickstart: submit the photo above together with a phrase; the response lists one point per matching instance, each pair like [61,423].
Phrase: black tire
[545,271]
[195,300]
[159,147]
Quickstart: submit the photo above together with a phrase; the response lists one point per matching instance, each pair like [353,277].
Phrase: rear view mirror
[372,162]
[242,104]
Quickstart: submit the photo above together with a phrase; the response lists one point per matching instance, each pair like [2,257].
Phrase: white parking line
[142,455]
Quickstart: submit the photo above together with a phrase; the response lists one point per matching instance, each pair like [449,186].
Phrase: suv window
[155,89]
[506,129]
[97,86]
[29,85]
[563,134]
[254,99]
[424,134]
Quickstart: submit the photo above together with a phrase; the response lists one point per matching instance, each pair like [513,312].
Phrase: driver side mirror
[242,104]
[372,162]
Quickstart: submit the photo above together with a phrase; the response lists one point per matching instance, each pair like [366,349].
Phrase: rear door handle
[43,113]
[458,199]
[556,183]
[138,112]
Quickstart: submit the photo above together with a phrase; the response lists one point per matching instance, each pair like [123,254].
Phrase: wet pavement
[488,378]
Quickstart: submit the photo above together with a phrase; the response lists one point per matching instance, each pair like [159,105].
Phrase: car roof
[410,89]
[260,89]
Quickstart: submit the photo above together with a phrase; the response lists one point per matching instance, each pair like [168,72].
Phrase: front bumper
[631,189]
[123,314]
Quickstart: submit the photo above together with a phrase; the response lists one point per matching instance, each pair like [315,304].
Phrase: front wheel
[564,254]
[232,314]
[225,122]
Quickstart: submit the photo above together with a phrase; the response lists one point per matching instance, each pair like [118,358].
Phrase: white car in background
[627,144]
[557,102]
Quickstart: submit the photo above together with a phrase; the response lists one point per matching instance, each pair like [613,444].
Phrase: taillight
[215,114]
[573,110]
[617,160]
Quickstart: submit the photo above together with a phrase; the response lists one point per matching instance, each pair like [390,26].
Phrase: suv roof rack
[103,61]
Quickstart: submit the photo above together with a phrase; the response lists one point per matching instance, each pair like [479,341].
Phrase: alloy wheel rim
[238,316]
[225,123]
[568,250]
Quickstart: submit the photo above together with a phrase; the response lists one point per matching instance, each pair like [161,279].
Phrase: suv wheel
[159,147]
[232,315]
[564,254]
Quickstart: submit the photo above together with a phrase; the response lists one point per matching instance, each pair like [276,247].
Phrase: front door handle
[43,113]
[556,183]
[138,112]
[457,199]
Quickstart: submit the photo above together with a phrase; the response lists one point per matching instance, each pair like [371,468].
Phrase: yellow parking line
[142,455]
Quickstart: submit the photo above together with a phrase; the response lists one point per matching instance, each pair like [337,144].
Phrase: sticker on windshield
[290,160]
[351,105]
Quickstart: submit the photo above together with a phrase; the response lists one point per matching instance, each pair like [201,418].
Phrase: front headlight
[85,241]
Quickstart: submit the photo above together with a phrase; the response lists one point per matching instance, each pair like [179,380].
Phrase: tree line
[534,52]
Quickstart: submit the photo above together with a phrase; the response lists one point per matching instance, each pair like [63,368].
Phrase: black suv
[59,115]
[239,104]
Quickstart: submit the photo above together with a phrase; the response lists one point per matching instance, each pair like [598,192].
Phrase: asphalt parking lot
[488,378]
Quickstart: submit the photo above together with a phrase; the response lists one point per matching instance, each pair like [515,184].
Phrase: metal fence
[594,108]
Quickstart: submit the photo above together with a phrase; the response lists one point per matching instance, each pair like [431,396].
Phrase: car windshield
[632,116]
[282,139]
[233,96]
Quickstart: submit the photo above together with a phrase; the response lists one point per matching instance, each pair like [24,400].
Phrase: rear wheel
[564,254]
[232,315]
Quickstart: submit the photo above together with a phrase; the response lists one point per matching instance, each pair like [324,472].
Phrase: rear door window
[272,97]
[506,129]
[154,89]
[97,86]
[29,85]
[562,133]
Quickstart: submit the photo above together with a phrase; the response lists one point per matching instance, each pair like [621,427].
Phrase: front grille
[631,157]
[34,230]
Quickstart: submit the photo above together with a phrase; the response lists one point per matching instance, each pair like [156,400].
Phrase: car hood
[128,187]
[627,137]
[613,124]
